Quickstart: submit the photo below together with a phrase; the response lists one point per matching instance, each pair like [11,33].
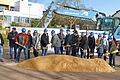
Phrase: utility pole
[29,11]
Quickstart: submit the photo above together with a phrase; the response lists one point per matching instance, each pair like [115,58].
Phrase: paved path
[8,72]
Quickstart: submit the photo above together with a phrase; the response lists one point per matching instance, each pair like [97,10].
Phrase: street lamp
[3,13]
[29,11]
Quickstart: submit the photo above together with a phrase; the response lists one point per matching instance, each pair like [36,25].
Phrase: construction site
[73,15]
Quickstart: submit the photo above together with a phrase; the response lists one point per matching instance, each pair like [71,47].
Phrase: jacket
[36,41]
[22,39]
[67,39]
[1,41]
[91,42]
[55,41]
[44,40]
[100,45]
[29,40]
[112,47]
[84,42]
[62,38]
[11,37]
[74,41]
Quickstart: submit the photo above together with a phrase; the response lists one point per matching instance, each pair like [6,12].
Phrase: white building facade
[22,11]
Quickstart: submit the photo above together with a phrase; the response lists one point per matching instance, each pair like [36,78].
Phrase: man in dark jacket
[67,42]
[11,38]
[62,39]
[29,42]
[81,44]
[22,42]
[1,47]
[91,44]
[74,42]
[44,42]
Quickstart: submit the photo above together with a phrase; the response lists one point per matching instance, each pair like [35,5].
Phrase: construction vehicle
[73,8]
[111,25]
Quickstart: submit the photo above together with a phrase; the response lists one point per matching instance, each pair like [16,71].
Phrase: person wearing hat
[105,45]
[44,42]
[36,43]
[55,42]
[67,42]
[11,37]
[99,45]
[82,44]
[91,45]
[74,41]
[22,42]
[62,39]
[112,49]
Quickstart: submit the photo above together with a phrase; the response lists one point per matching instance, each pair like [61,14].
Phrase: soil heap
[64,63]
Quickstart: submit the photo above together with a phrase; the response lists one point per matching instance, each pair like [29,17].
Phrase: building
[20,10]
[116,14]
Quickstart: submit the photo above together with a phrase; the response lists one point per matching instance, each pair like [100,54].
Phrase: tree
[34,22]
[14,24]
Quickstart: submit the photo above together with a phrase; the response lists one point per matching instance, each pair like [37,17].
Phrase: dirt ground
[8,71]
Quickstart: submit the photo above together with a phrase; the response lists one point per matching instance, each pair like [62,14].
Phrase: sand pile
[66,63]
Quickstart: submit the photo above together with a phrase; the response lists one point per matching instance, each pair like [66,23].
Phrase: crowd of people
[72,43]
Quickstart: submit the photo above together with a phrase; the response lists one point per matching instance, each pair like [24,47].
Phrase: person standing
[36,43]
[99,44]
[1,47]
[74,42]
[105,46]
[29,43]
[91,44]
[81,44]
[62,39]
[112,50]
[56,42]
[11,37]
[67,42]
[44,42]
[22,42]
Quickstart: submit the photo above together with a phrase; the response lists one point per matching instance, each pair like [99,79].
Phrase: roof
[116,14]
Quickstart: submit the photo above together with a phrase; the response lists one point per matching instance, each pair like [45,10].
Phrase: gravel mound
[64,63]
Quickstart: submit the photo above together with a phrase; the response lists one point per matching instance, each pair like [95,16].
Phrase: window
[16,19]
[8,18]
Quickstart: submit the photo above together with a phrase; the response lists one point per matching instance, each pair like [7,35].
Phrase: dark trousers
[19,52]
[35,52]
[56,50]
[28,51]
[83,55]
[81,51]
[105,57]
[61,49]
[28,54]
[44,52]
[112,59]
[11,52]
[67,50]
[91,53]
[74,51]
[100,55]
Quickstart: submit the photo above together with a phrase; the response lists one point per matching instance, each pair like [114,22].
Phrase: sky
[106,6]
